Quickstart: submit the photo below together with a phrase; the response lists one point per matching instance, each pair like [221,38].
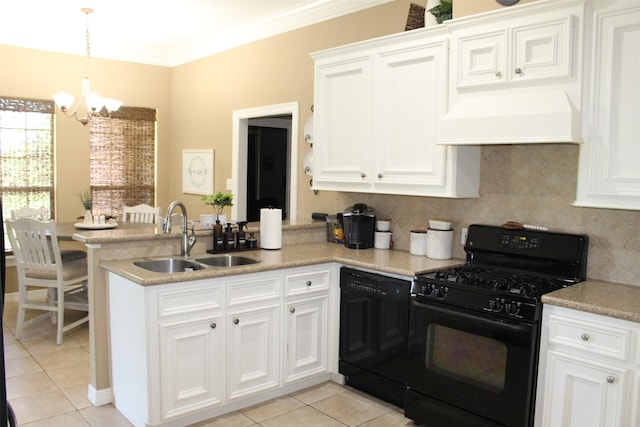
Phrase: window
[122,160]
[26,154]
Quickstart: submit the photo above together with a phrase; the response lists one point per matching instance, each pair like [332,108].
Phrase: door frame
[239,154]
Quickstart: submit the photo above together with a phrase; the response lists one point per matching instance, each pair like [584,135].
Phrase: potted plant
[440,9]
[219,201]
[86,200]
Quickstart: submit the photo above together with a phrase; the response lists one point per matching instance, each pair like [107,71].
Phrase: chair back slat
[141,213]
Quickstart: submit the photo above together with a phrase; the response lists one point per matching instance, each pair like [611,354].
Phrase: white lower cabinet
[253,350]
[306,334]
[588,375]
[190,365]
[188,351]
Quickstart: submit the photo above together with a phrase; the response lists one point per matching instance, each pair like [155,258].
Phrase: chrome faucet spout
[187,242]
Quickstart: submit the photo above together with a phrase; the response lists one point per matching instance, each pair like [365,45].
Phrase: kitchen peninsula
[113,250]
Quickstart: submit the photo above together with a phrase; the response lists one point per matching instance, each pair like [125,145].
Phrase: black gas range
[474,330]
[507,271]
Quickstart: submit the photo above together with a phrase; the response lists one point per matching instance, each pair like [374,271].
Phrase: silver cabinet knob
[518,70]
[379,176]
[363,175]
[611,379]
[308,282]
[213,325]
[584,337]
[236,321]
[292,310]
[498,74]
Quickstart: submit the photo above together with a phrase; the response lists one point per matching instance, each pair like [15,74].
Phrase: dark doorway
[267,168]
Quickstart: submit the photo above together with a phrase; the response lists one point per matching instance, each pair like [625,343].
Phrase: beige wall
[471,7]
[36,74]
[272,71]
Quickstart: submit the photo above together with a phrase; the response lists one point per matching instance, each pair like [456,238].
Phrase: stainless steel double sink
[177,264]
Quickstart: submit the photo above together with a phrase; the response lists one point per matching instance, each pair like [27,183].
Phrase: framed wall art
[197,171]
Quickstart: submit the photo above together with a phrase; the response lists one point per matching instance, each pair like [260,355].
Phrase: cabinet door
[306,335]
[608,175]
[481,59]
[342,124]
[542,50]
[580,392]
[411,93]
[190,365]
[253,344]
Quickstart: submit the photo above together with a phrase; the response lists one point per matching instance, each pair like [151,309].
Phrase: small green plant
[218,201]
[443,11]
[85,199]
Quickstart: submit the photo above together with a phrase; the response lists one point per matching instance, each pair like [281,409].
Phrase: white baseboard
[99,397]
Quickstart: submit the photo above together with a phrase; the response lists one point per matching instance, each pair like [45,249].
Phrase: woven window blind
[122,160]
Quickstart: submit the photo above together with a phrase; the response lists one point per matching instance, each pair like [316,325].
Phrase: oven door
[466,369]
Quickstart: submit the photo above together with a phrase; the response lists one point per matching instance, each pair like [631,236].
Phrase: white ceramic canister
[439,244]
[382,239]
[418,242]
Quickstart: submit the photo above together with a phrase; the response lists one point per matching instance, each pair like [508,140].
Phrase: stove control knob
[441,292]
[495,305]
[428,289]
[511,307]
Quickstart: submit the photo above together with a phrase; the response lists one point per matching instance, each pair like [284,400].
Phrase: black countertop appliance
[359,224]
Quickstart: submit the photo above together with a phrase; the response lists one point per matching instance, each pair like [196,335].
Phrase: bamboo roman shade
[122,160]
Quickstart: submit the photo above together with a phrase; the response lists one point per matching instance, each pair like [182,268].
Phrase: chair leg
[22,300]
[60,316]
[52,299]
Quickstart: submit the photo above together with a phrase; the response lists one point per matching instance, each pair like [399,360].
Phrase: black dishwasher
[374,322]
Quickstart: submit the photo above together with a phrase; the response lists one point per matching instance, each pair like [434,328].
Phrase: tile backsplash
[531,184]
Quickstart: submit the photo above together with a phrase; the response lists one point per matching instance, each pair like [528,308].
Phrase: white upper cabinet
[520,53]
[516,76]
[609,168]
[377,109]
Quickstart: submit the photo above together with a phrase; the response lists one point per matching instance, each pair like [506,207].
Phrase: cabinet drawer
[297,284]
[258,289]
[597,339]
[188,300]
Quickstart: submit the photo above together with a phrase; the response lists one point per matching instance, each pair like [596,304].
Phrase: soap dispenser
[242,239]
[229,238]
[218,237]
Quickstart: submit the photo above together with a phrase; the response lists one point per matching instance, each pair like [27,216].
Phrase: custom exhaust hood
[527,117]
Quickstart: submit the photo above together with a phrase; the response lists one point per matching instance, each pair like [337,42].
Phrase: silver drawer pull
[498,74]
[380,176]
[611,379]
[363,175]
[308,282]
[518,70]
[584,337]
[236,321]
[292,310]
[213,325]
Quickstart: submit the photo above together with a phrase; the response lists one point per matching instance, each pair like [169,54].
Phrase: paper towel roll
[270,228]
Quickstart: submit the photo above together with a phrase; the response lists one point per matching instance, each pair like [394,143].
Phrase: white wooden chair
[38,213]
[39,264]
[43,215]
[141,213]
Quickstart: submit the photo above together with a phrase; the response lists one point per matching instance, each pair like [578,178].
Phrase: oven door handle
[511,327]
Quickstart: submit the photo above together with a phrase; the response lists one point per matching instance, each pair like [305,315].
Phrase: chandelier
[96,105]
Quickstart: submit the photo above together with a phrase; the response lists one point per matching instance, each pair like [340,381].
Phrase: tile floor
[47,386]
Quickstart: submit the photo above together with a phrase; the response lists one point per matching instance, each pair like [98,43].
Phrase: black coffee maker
[359,224]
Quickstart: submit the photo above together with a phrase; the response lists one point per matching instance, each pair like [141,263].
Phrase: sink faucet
[187,242]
